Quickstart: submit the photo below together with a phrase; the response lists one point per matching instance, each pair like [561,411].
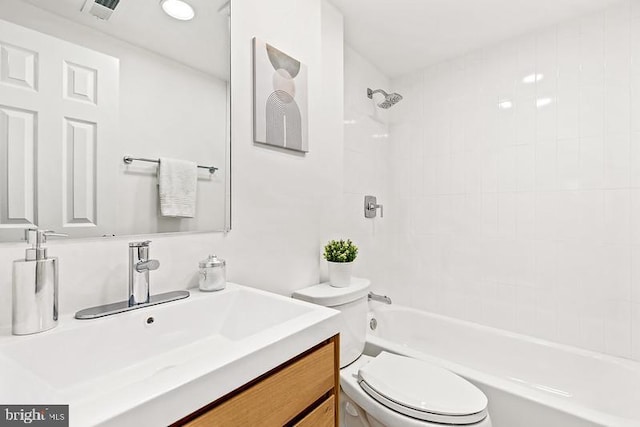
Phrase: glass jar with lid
[212,274]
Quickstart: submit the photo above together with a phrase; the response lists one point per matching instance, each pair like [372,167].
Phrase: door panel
[18,161]
[79,198]
[19,66]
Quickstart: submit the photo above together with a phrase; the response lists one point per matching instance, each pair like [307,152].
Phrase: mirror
[86,83]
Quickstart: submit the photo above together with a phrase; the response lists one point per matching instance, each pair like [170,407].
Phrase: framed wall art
[280,116]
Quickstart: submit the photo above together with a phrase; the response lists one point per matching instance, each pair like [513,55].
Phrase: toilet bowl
[389,390]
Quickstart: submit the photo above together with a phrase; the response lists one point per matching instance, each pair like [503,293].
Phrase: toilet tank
[351,301]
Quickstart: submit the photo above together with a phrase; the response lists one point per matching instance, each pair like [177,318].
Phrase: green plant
[340,251]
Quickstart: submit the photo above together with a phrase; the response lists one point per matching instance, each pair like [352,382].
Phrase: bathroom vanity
[302,392]
[215,358]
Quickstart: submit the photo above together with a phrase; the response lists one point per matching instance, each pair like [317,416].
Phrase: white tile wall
[365,165]
[519,166]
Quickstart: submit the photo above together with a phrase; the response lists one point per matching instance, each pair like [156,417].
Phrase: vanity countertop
[155,365]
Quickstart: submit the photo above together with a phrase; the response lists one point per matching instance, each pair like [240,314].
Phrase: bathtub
[529,382]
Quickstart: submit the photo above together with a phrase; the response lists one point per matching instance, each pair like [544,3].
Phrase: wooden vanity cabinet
[302,392]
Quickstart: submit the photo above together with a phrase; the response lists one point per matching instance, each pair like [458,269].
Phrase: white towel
[177,185]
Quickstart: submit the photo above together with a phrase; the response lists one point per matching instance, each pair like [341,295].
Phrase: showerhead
[390,99]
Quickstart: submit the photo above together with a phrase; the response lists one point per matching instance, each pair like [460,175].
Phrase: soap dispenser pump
[35,286]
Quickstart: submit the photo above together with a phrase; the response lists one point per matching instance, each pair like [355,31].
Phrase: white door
[58,112]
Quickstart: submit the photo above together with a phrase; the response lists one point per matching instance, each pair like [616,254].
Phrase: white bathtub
[529,382]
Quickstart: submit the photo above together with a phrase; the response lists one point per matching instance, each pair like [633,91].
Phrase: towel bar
[128,160]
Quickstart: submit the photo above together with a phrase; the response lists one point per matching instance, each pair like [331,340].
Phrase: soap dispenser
[35,286]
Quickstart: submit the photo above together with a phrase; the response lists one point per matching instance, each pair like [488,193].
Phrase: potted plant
[340,255]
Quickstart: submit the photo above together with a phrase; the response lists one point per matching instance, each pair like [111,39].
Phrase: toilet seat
[422,390]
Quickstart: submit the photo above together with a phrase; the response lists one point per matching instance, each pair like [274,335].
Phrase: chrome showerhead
[390,99]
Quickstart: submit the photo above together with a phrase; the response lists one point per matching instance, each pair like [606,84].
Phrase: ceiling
[202,43]
[401,36]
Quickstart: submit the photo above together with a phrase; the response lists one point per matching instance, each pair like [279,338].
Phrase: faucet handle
[150,265]
[142,244]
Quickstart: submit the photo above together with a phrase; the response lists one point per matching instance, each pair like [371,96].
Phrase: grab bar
[128,160]
[380,298]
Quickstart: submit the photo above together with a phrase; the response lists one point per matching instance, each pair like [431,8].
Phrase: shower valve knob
[371,207]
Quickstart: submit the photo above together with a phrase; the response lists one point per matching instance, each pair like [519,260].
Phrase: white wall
[526,218]
[156,119]
[283,204]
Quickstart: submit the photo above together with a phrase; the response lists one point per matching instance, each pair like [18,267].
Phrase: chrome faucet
[139,267]
[139,296]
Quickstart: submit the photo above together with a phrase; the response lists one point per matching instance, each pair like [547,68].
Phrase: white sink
[109,368]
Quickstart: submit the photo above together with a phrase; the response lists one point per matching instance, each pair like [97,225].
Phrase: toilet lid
[422,390]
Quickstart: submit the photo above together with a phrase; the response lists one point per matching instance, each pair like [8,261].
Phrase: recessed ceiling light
[178,9]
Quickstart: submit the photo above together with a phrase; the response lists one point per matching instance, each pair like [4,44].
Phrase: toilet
[390,390]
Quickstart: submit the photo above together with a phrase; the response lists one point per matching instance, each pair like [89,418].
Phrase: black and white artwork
[280,98]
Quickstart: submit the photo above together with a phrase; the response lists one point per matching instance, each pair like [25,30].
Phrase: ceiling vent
[101,9]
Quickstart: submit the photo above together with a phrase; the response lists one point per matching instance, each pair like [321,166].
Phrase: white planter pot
[340,274]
